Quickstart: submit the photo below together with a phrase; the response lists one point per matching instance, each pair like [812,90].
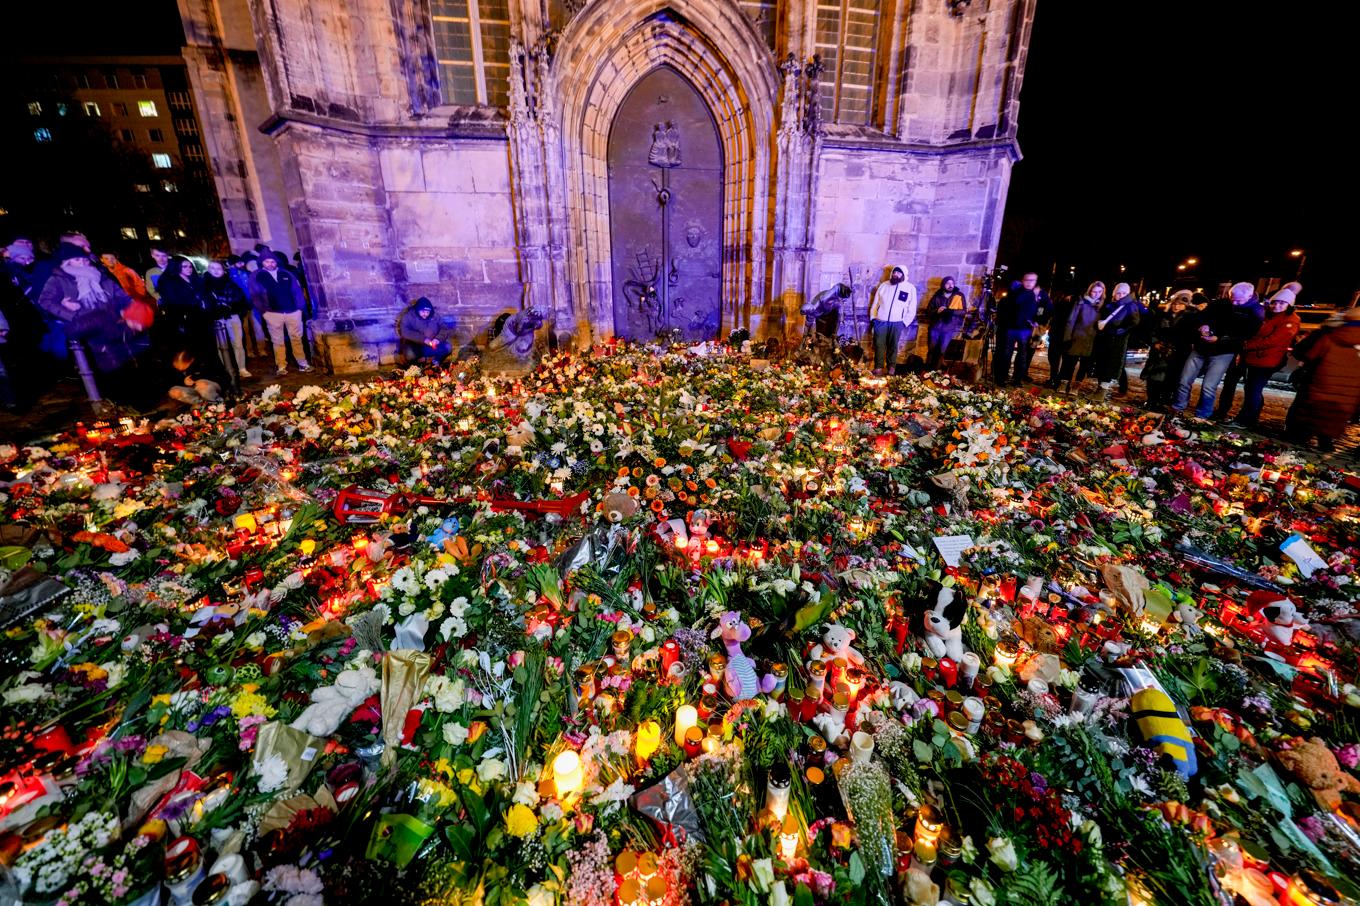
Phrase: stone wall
[391,195]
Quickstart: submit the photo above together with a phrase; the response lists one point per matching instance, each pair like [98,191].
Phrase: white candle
[686,716]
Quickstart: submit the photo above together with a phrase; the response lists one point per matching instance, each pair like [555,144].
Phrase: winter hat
[1289,292]
[423,303]
[1184,295]
[66,251]
[233,260]
[268,254]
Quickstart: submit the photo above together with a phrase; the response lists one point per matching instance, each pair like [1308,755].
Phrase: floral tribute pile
[661,628]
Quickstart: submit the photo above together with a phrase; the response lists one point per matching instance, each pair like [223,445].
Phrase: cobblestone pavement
[65,405]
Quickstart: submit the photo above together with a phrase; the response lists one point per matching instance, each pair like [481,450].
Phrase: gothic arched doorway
[665,211]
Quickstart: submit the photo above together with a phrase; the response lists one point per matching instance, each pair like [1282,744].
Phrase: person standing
[1168,345]
[893,308]
[1330,397]
[153,273]
[948,309]
[1017,315]
[1228,396]
[1076,338]
[1222,329]
[1264,354]
[277,296]
[1118,317]
[230,305]
[127,278]
[88,301]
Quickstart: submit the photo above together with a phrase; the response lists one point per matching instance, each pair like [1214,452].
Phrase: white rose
[982,892]
[526,794]
[455,734]
[490,769]
[1002,852]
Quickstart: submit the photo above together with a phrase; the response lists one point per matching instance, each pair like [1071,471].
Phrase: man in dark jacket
[1017,315]
[1223,327]
[419,332]
[277,296]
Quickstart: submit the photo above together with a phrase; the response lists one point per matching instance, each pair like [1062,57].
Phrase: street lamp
[1192,261]
[1302,255]
[1180,267]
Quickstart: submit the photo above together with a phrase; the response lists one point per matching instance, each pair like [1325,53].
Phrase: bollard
[86,373]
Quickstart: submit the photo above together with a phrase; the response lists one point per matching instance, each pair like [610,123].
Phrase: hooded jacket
[894,302]
[417,330]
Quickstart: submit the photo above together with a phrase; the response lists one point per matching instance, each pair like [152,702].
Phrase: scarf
[88,291]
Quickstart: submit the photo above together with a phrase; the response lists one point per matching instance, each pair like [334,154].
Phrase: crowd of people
[171,331]
[1220,344]
[176,331]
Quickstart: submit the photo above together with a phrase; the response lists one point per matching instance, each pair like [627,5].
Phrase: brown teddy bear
[1314,764]
[1039,635]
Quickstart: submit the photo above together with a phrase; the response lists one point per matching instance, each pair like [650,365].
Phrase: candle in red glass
[949,672]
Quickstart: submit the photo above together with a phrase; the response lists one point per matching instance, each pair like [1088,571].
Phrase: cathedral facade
[622,167]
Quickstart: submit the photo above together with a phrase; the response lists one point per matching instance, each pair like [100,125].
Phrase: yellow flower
[247,703]
[520,820]
[153,754]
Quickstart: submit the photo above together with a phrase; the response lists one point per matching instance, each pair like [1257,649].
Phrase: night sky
[1151,132]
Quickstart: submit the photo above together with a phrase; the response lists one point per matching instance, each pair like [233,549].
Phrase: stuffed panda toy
[943,624]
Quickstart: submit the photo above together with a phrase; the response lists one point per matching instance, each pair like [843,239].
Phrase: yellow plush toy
[1162,728]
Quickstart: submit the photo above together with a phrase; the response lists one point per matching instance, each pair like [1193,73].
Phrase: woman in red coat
[1264,353]
[1330,396]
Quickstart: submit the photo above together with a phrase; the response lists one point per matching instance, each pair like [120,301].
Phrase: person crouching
[419,331]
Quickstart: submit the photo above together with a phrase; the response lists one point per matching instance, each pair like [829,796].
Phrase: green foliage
[1034,884]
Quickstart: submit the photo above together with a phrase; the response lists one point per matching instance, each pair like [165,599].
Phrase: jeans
[1012,343]
[290,323]
[1227,396]
[886,337]
[1257,377]
[942,333]
[1213,368]
[415,352]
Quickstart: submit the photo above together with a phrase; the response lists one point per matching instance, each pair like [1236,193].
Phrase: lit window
[161,161]
[472,42]
[155,135]
[128,232]
[153,233]
[142,187]
[168,186]
[91,108]
[34,108]
[42,134]
[147,108]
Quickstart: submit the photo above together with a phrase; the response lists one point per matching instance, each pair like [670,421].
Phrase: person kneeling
[197,386]
[419,333]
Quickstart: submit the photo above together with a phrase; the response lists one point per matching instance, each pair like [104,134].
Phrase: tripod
[986,310]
